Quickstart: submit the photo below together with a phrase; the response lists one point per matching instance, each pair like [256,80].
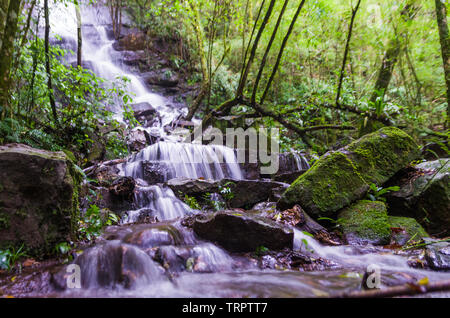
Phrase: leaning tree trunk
[6,53]
[441,15]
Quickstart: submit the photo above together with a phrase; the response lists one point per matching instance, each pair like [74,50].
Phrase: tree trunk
[4,4]
[47,63]
[441,15]
[391,56]
[79,36]
[6,53]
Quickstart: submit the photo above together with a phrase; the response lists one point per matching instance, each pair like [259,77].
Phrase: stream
[193,267]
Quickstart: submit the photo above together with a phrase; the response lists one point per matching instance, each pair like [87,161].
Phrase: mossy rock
[379,155]
[406,229]
[365,222]
[39,201]
[330,184]
[339,178]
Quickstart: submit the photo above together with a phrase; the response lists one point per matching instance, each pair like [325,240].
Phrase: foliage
[9,257]
[192,202]
[376,193]
[94,220]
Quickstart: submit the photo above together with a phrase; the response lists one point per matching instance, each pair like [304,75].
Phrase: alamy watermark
[373,276]
[252,145]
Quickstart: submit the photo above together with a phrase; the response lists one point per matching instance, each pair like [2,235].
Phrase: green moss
[412,228]
[379,155]
[365,222]
[330,184]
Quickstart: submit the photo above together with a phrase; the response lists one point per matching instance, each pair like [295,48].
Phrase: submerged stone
[365,222]
[339,178]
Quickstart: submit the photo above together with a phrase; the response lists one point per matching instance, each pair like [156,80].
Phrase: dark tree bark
[47,63]
[6,53]
[347,47]
[441,15]
[79,36]
[4,4]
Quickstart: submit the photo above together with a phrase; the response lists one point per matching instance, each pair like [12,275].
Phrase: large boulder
[424,195]
[238,232]
[38,198]
[341,177]
[365,222]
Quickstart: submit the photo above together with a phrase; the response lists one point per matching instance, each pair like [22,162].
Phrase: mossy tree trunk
[4,4]
[441,15]
[199,36]
[6,52]
[391,56]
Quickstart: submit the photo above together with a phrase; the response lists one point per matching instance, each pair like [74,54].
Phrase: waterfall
[186,160]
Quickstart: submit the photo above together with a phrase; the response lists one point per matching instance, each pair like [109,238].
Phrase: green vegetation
[94,220]
[9,257]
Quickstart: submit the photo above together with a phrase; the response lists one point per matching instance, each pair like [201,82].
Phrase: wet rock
[365,222]
[155,172]
[164,78]
[339,178]
[134,41]
[133,58]
[192,186]
[144,113]
[249,192]
[123,187]
[108,200]
[438,255]
[103,174]
[405,230]
[154,235]
[245,193]
[425,195]
[250,171]
[288,177]
[38,198]
[144,215]
[136,140]
[238,232]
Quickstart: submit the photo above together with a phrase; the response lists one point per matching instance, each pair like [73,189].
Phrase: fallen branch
[402,290]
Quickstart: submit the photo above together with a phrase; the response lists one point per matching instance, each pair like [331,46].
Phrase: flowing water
[127,259]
